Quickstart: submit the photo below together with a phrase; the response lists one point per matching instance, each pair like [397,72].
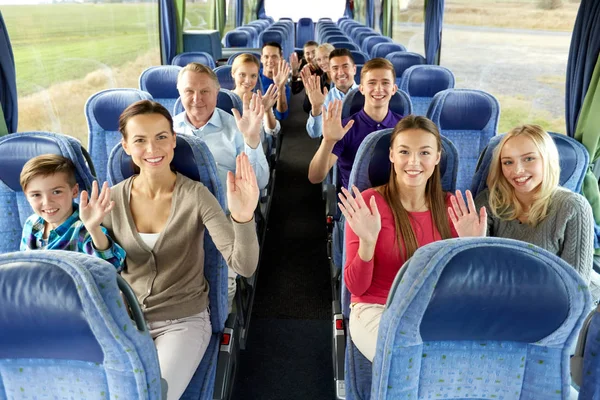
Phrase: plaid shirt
[70,235]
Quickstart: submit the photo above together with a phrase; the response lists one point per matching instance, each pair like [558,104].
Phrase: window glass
[230,15]
[313,9]
[198,15]
[66,52]
[408,25]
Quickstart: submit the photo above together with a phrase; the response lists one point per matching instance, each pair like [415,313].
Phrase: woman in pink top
[408,212]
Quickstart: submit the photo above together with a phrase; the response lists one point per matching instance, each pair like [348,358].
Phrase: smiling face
[342,71]
[522,165]
[51,197]
[322,59]
[198,96]
[270,58]
[150,142]
[310,54]
[245,76]
[378,86]
[414,154]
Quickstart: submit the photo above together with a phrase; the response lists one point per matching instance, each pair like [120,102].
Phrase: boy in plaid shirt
[49,184]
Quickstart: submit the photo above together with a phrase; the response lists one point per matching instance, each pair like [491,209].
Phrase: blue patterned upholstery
[344,44]
[354,102]
[337,37]
[590,376]
[573,159]
[456,326]
[66,332]
[402,60]
[225,78]
[234,55]
[238,38]
[470,119]
[370,42]
[383,49]
[305,31]
[102,112]
[359,57]
[253,32]
[201,57]
[161,83]
[422,82]
[194,160]
[226,100]
[15,150]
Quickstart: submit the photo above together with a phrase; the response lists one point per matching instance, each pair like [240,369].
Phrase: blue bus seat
[305,31]
[161,83]
[402,60]
[354,101]
[15,150]
[369,42]
[359,57]
[66,332]
[470,119]
[102,112]
[201,57]
[585,363]
[455,322]
[224,76]
[423,82]
[194,160]
[572,155]
[234,55]
[385,48]
[238,38]
[226,100]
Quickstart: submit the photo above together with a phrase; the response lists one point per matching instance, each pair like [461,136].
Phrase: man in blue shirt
[342,70]
[276,71]
[198,87]
[341,139]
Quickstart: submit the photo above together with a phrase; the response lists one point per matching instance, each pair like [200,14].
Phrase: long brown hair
[434,195]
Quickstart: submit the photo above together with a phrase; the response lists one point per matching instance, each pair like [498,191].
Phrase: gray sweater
[567,230]
[168,280]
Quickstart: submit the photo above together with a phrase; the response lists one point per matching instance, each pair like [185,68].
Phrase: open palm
[95,206]
[467,221]
[242,190]
[364,221]
[250,122]
[332,122]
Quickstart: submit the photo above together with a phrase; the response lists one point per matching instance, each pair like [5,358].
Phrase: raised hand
[294,63]
[242,190]
[270,97]
[283,71]
[365,221]
[94,207]
[250,122]
[467,221]
[312,87]
[332,122]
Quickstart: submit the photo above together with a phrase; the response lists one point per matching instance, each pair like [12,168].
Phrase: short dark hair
[310,43]
[143,107]
[341,53]
[272,44]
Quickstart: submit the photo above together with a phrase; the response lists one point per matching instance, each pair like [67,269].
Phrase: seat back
[470,119]
[305,31]
[385,48]
[422,82]
[345,44]
[253,32]
[573,158]
[359,68]
[585,364]
[368,43]
[15,150]
[226,100]
[234,55]
[201,57]
[102,112]
[161,83]
[354,102]
[223,74]
[238,38]
[456,300]
[402,60]
[66,330]
[194,160]
[359,57]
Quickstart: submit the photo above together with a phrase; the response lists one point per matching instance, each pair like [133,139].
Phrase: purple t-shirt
[346,149]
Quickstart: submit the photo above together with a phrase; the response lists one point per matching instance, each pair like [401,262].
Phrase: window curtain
[8,83]
[168,31]
[239,12]
[434,16]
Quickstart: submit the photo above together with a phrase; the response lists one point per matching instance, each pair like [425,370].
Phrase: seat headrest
[465,111]
[386,48]
[399,103]
[380,166]
[238,39]
[225,102]
[184,160]
[491,292]
[42,315]
[108,106]
[427,82]
[161,82]
[201,57]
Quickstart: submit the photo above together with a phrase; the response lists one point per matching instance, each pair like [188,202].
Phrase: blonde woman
[523,201]
[244,70]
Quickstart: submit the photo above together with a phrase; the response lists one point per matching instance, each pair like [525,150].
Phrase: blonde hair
[377,63]
[46,165]
[434,194]
[502,199]
[244,58]
[328,47]
[199,69]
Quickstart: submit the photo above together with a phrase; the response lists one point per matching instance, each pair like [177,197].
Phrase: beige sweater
[169,279]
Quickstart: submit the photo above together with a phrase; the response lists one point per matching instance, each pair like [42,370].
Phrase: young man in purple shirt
[341,139]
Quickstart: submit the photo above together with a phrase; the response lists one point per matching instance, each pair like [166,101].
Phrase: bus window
[408,25]
[66,52]
[313,9]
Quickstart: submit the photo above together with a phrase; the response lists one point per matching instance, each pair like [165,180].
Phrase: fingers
[452,216]
[94,194]
[348,125]
[83,199]
[325,91]
[373,204]
[483,215]
[230,181]
[239,174]
[470,201]
[236,114]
